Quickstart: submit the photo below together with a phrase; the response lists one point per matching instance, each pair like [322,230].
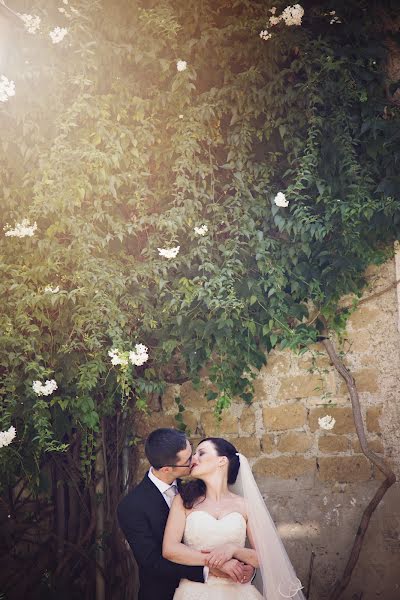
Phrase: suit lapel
[157,505]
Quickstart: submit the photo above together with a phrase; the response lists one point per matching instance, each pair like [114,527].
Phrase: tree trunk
[100,561]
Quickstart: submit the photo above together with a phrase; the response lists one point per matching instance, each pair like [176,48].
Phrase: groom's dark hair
[163,445]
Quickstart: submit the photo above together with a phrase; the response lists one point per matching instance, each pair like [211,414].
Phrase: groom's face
[183,462]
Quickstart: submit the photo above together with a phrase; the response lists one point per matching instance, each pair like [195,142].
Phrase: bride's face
[206,460]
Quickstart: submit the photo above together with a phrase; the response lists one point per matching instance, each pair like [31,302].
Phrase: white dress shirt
[162,486]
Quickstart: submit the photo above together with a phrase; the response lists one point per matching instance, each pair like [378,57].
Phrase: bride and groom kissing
[189,540]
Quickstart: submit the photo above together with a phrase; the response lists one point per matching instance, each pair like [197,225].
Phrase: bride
[209,522]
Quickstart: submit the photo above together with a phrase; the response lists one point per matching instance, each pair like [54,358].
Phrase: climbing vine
[181,183]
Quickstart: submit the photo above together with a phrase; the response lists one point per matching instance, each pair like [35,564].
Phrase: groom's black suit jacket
[142,516]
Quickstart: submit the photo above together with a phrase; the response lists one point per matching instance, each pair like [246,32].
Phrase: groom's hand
[248,573]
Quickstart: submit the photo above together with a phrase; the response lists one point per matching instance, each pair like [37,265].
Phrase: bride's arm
[173,549]
[221,554]
[247,555]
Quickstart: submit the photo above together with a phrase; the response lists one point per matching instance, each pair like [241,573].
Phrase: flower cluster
[202,230]
[334,17]
[181,65]
[58,34]
[139,355]
[169,252]
[280,200]
[7,89]
[292,15]
[6,437]
[45,389]
[50,290]
[23,229]
[31,22]
[118,357]
[326,422]
[264,35]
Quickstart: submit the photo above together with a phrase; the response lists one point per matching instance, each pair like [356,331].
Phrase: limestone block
[191,422]
[143,423]
[249,446]
[358,341]
[168,398]
[268,443]
[364,317]
[294,441]
[248,420]
[374,413]
[284,467]
[367,380]
[375,445]
[303,386]
[277,361]
[315,357]
[344,468]
[288,416]
[228,425]
[328,444]
[260,388]
[192,397]
[342,415]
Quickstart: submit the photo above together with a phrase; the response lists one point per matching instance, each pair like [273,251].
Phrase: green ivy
[115,153]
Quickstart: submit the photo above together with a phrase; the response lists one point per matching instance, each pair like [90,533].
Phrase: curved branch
[374,458]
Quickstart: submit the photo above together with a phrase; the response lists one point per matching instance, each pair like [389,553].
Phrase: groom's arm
[147,551]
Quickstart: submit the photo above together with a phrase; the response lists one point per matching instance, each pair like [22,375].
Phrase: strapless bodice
[205,532]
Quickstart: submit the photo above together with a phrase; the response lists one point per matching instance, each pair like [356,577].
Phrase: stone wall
[317,482]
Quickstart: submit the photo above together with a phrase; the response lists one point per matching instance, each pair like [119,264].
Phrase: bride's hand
[220,555]
[233,569]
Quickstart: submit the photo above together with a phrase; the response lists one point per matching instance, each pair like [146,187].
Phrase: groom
[143,514]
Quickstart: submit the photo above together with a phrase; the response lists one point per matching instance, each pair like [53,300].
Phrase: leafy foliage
[115,153]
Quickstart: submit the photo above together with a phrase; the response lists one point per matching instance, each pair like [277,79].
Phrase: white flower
[181,65]
[6,437]
[326,422]
[139,355]
[45,389]
[292,15]
[50,290]
[280,200]
[31,22]
[168,252]
[65,1]
[334,20]
[180,116]
[7,88]
[21,230]
[264,35]
[272,10]
[202,230]
[58,34]
[274,20]
[118,357]
[61,10]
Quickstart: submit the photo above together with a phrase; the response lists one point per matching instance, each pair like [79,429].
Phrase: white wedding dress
[205,532]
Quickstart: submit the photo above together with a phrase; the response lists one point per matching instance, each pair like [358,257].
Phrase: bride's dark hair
[196,489]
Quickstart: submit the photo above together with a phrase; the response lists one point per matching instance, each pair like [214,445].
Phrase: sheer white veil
[278,576]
